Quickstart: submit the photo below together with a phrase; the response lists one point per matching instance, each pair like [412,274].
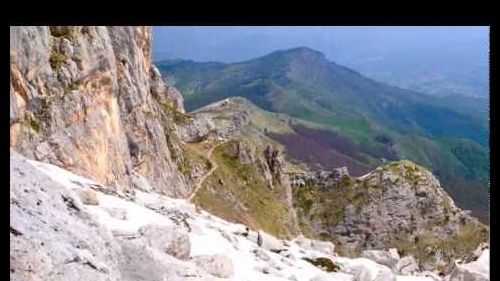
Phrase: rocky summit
[111,179]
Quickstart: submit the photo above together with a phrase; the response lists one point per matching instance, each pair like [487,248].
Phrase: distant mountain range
[363,120]
[433,60]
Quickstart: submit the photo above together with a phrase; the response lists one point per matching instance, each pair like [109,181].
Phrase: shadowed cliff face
[88,99]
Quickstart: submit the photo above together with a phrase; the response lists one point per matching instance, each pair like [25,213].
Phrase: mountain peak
[302,52]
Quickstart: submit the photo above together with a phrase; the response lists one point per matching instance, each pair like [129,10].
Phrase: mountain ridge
[360,109]
[109,155]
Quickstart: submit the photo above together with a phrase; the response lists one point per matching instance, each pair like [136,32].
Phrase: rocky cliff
[399,204]
[90,100]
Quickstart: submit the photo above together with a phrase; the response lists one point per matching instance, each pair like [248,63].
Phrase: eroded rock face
[244,151]
[394,205]
[196,129]
[88,99]
[397,205]
[324,179]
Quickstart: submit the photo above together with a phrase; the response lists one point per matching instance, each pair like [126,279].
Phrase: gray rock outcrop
[89,99]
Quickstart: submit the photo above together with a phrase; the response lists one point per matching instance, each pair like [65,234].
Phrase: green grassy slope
[370,116]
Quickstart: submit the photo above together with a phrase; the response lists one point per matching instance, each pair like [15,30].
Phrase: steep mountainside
[398,205]
[105,144]
[62,228]
[369,121]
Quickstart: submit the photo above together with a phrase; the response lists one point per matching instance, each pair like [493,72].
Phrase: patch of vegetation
[190,158]
[316,206]
[244,197]
[34,125]
[57,60]
[149,115]
[457,246]
[70,87]
[179,117]
[325,264]
[62,31]
[342,250]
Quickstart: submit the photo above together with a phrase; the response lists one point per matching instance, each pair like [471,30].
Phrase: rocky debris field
[65,227]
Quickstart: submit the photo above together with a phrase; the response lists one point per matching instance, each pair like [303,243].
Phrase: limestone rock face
[244,151]
[396,204]
[230,120]
[323,179]
[89,99]
[195,129]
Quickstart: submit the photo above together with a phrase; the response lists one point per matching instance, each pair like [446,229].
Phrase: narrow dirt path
[214,165]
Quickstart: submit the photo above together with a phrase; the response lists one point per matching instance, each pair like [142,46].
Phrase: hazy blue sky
[453,57]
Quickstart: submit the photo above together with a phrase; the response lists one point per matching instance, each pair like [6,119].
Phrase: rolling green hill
[367,121]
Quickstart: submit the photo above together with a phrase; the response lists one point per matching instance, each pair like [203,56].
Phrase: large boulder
[406,266]
[138,261]
[367,270]
[478,270]
[172,240]
[388,258]
[217,265]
